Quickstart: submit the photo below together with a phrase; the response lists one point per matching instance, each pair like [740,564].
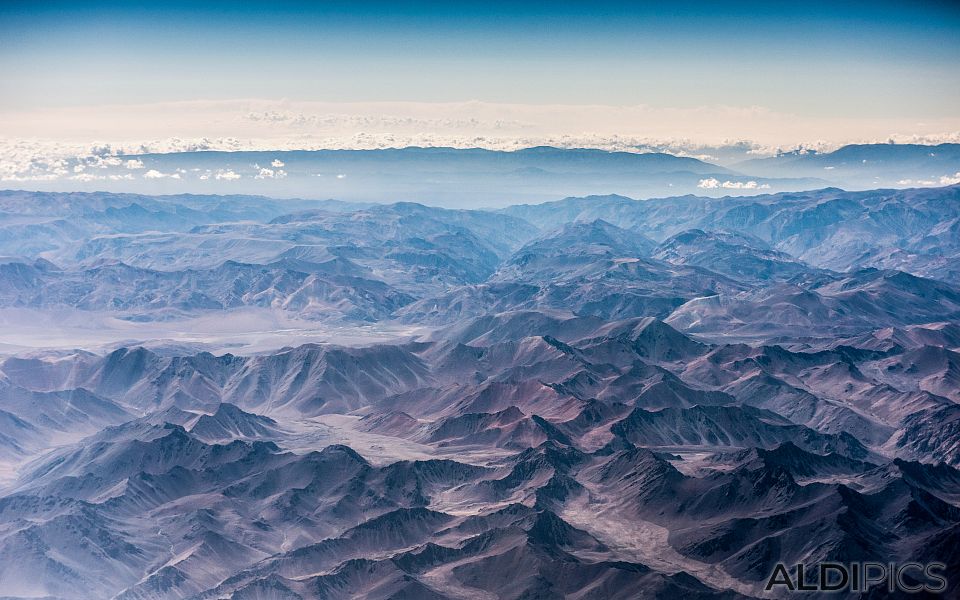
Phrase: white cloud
[929,139]
[713,183]
[950,179]
[109,161]
[155,174]
[227,174]
[745,185]
[814,147]
[277,163]
[709,184]
[944,180]
[133,163]
[923,182]
[86,177]
[265,173]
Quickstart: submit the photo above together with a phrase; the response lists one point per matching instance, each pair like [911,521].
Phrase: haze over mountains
[596,397]
[472,177]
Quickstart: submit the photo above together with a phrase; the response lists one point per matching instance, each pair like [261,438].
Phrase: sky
[165,75]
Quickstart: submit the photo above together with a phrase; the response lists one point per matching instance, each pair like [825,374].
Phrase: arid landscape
[599,397]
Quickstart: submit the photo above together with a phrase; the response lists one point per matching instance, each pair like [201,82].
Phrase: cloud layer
[713,133]
[76,143]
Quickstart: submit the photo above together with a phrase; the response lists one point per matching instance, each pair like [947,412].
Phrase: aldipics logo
[908,577]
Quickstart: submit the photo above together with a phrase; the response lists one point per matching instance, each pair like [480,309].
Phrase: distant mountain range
[443,176]
[462,178]
[866,165]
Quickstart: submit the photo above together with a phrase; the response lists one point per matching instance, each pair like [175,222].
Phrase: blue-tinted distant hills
[478,178]
[462,178]
[545,158]
[865,165]
[450,177]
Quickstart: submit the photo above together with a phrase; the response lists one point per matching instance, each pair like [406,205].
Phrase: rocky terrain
[593,398]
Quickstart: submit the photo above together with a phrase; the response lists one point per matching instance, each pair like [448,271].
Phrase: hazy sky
[280,72]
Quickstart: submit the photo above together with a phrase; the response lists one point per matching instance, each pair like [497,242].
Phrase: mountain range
[597,397]
[471,177]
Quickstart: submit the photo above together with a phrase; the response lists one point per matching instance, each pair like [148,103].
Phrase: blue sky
[816,57]
[843,67]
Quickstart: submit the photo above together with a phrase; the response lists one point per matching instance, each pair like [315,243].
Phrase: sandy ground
[241,331]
